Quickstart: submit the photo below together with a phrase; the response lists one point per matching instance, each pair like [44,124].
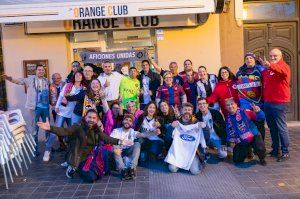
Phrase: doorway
[261,38]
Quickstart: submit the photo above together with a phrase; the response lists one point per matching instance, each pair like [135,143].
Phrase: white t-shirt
[207,119]
[146,82]
[121,134]
[186,139]
[148,127]
[112,91]
[66,111]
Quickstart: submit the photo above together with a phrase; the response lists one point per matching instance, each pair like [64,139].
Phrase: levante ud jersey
[249,85]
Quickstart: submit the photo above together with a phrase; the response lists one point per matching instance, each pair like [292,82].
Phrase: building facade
[212,35]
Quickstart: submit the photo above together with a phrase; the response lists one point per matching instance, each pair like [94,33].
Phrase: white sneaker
[46,156]
[64,164]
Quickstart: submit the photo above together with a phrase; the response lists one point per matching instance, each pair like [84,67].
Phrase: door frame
[291,19]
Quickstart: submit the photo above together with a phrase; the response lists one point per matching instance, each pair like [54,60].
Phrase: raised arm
[20,81]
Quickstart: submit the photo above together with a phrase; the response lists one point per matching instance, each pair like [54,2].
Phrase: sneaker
[262,162]
[273,154]
[283,158]
[64,164]
[132,173]
[124,174]
[70,172]
[46,156]
[36,153]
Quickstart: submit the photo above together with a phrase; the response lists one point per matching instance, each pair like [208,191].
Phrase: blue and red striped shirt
[171,94]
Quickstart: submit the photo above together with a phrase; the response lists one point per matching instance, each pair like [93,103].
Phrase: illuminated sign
[100,9]
[111,23]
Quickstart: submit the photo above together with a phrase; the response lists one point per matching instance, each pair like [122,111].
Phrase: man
[150,81]
[189,136]
[249,85]
[206,85]
[242,132]
[188,65]
[110,80]
[131,108]
[75,67]
[173,67]
[131,153]
[84,137]
[190,88]
[277,96]
[215,125]
[37,98]
[173,93]
[55,88]
[88,73]
[130,88]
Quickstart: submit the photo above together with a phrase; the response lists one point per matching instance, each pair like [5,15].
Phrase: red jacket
[224,90]
[276,83]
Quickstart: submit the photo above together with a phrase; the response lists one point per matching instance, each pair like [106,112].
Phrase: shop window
[255,10]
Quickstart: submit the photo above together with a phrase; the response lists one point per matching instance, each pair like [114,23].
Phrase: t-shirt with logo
[171,94]
[186,139]
[42,88]
[147,127]
[249,85]
[129,90]
[122,134]
[146,83]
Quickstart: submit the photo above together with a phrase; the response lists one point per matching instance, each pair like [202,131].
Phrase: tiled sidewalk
[219,180]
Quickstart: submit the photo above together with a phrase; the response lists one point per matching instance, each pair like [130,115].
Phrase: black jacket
[155,82]
[219,124]
[79,99]
[82,140]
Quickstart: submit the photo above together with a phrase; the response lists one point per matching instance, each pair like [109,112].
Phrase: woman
[77,99]
[149,124]
[64,108]
[94,98]
[168,115]
[113,116]
[225,88]
[206,85]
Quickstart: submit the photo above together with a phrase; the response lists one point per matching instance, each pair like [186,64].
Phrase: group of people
[126,118]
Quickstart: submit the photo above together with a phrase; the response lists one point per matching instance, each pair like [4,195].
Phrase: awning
[46,10]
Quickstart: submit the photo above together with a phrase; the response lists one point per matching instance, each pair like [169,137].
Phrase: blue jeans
[195,169]
[276,120]
[59,122]
[153,147]
[42,113]
[75,118]
[133,153]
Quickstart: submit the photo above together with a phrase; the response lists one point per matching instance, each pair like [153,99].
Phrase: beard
[187,116]
[126,126]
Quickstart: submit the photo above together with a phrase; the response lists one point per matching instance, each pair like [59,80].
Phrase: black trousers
[261,128]
[240,151]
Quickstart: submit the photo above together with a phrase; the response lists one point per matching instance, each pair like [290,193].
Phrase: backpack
[95,165]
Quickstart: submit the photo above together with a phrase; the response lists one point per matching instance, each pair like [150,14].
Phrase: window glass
[268,10]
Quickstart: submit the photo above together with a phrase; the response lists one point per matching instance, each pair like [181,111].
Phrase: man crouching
[127,157]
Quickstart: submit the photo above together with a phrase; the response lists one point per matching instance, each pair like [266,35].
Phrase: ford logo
[187,137]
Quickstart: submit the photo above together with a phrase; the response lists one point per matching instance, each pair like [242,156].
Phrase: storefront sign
[111,23]
[115,57]
[38,10]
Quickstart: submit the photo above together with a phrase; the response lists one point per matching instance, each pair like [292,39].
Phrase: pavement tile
[109,191]
[96,192]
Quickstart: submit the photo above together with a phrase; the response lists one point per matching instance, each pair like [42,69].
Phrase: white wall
[201,45]
[18,47]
